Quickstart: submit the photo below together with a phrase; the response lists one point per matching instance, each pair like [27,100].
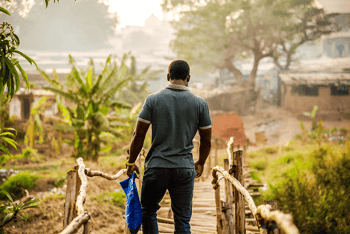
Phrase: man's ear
[188,78]
[168,77]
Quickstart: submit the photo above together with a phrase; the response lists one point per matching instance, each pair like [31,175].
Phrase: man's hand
[199,169]
[131,169]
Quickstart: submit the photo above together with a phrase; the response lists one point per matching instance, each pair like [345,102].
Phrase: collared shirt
[175,114]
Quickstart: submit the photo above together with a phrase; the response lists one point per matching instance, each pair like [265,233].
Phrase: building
[326,85]
[22,103]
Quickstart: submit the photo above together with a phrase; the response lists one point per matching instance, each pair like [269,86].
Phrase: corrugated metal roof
[315,78]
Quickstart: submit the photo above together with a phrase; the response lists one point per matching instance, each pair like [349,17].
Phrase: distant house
[300,91]
[22,103]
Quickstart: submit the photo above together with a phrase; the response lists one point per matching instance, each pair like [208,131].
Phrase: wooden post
[86,227]
[73,187]
[229,200]
[219,223]
[238,198]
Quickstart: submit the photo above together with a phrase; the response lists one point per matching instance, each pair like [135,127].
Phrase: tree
[93,113]
[216,33]
[301,22]
[136,90]
[70,25]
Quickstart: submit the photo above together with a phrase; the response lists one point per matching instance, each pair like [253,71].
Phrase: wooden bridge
[222,201]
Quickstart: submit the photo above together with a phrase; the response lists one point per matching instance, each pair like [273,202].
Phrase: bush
[271,150]
[15,185]
[319,197]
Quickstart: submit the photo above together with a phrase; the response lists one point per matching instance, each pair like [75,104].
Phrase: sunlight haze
[135,12]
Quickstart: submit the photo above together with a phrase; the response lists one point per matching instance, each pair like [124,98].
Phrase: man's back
[176,114]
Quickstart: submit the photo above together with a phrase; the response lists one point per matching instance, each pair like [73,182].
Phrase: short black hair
[178,70]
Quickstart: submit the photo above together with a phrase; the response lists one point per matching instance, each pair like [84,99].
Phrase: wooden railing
[74,214]
[231,212]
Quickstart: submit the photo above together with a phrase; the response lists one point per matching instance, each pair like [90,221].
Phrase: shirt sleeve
[146,112]
[204,118]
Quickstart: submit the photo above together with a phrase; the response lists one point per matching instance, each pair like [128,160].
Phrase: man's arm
[204,150]
[136,144]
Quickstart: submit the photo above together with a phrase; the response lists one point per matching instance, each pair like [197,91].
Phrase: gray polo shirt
[175,114]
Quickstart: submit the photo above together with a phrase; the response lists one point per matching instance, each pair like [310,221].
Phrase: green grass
[15,184]
[27,153]
[308,181]
[116,198]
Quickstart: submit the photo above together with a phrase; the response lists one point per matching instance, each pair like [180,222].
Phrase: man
[175,114]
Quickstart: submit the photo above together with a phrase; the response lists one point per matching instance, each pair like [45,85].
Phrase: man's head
[179,70]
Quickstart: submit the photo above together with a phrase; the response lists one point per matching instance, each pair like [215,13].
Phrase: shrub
[271,150]
[318,197]
[258,164]
[16,184]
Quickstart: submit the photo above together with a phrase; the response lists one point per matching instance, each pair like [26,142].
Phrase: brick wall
[328,106]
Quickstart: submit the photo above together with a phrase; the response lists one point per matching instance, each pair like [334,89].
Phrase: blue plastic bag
[133,214]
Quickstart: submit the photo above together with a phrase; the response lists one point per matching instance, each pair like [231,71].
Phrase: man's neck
[178,82]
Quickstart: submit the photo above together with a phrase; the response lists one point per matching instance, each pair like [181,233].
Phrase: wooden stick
[237,185]
[216,186]
[91,173]
[76,223]
[284,221]
[238,197]
[82,192]
[230,150]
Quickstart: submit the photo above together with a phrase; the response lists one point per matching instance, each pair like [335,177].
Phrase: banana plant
[95,110]
[34,124]
[136,90]
[312,115]
[5,139]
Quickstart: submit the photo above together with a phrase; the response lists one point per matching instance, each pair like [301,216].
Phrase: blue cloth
[133,214]
[180,183]
[175,115]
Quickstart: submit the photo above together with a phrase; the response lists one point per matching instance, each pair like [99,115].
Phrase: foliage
[34,124]
[10,66]
[11,210]
[16,184]
[5,139]
[214,34]
[4,115]
[318,198]
[305,23]
[312,115]
[136,90]
[27,153]
[93,96]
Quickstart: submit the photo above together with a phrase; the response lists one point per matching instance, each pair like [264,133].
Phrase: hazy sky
[135,12]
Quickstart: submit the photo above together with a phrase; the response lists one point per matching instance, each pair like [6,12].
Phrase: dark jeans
[180,183]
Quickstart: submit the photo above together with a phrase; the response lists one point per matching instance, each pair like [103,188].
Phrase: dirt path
[280,125]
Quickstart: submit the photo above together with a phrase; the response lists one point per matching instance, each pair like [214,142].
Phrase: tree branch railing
[74,214]
[262,213]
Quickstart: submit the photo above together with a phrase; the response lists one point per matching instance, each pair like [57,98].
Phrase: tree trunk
[236,73]
[254,72]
